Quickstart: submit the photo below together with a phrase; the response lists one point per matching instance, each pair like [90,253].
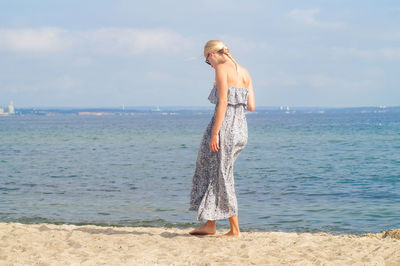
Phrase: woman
[213,192]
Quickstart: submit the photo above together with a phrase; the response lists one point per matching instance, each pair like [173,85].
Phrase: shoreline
[93,244]
[189,225]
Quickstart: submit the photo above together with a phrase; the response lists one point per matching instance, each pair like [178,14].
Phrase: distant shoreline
[175,110]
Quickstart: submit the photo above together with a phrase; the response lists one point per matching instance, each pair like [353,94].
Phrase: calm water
[332,172]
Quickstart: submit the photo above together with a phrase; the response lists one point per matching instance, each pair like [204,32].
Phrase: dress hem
[216,218]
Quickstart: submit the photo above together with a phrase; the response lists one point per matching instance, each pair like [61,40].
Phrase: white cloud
[330,83]
[46,39]
[387,53]
[307,17]
[104,41]
[392,53]
[324,82]
[128,41]
[54,84]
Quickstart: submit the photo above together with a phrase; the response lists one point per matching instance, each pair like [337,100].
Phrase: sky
[98,53]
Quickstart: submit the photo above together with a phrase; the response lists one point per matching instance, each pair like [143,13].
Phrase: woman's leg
[209,228]
[235,231]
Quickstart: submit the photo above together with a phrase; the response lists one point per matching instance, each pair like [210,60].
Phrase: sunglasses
[208,62]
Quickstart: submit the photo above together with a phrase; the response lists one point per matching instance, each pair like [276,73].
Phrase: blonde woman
[213,192]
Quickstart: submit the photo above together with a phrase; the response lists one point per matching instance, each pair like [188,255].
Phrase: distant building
[11,110]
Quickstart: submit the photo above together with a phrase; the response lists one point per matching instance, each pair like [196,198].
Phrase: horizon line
[202,106]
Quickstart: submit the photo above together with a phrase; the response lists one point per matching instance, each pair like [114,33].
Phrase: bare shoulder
[245,76]
[221,68]
[243,69]
[221,71]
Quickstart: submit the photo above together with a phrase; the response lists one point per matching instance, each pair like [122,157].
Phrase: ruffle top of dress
[236,95]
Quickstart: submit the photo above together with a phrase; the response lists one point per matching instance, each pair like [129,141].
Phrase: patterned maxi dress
[213,189]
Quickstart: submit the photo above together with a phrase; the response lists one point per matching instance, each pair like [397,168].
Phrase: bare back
[240,78]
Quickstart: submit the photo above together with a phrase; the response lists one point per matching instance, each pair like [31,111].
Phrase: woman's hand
[214,143]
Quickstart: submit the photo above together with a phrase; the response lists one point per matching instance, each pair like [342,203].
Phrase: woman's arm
[221,78]
[251,105]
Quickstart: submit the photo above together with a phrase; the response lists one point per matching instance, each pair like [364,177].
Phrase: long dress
[213,188]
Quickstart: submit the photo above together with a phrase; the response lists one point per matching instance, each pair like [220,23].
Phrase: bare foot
[229,234]
[206,229]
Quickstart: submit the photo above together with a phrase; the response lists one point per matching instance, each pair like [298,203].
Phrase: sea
[334,171]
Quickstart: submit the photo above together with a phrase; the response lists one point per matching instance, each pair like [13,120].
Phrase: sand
[48,244]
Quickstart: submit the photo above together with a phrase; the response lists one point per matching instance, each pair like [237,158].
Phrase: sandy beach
[49,244]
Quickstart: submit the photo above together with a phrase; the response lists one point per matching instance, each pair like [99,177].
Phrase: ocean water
[335,172]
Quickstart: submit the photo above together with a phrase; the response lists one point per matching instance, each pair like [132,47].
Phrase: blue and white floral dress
[213,187]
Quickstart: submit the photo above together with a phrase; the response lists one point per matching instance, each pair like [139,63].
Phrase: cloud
[324,82]
[387,53]
[307,17]
[46,39]
[392,53]
[128,41]
[103,41]
[329,84]
[62,83]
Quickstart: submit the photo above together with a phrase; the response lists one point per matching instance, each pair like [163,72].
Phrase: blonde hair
[220,47]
